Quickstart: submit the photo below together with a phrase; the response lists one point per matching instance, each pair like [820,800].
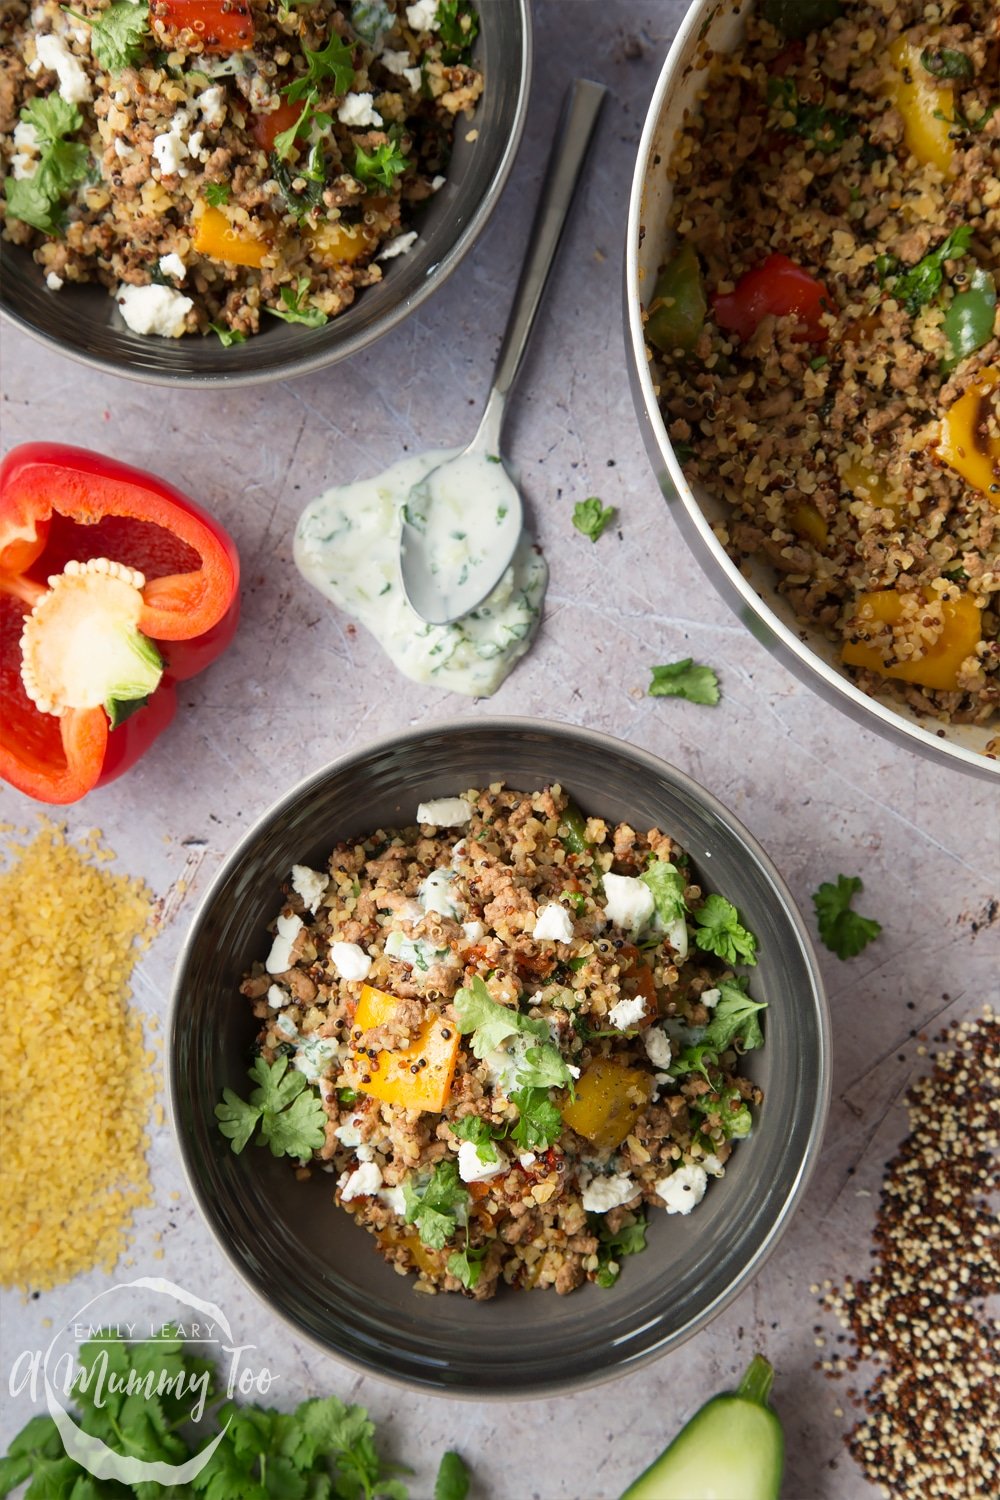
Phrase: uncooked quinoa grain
[931,1423]
[76,1080]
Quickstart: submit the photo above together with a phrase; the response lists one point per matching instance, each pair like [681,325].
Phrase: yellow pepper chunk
[214,236]
[340,242]
[916,95]
[938,666]
[963,447]
[609,1098]
[425,1260]
[433,1052]
[809,524]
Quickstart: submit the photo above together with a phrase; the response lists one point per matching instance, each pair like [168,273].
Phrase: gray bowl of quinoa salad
[569,1038]
[254,205]
[810,471]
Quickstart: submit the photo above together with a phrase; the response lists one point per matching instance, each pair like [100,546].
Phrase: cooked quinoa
[834,430]
[520,1033]
[207,171]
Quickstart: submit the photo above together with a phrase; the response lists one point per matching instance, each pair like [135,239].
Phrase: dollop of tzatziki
[347,547]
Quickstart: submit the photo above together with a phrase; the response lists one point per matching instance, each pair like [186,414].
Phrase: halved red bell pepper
[60,509]
[220,25]
[776,286]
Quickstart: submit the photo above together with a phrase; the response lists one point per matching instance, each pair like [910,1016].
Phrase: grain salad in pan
[824,330]
[214,161]
[508,1030]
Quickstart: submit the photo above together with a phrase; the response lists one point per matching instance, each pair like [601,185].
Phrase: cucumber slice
[81,646]
[732,1449]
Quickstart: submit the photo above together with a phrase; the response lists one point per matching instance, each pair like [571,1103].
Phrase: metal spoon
[444,574]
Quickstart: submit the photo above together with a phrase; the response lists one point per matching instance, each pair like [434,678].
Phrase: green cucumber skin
[732,1449]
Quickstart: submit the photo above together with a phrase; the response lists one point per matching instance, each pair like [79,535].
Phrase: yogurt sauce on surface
[347,546]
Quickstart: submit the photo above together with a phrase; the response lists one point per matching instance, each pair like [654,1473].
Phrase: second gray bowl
[308,1260]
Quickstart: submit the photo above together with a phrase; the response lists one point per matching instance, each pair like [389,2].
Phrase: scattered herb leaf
[843,931]
[452,1482]
[734,1018]
[919,285]
[216,193]
[291,1117]
[539,1122]
[719,931]
[296,309]
[458,27]
[383,166]
[945,62]
[117,34]
[480,1133]
[667,885]
[591,517]
[683,679]
[436,1207]
[228,336]
[61,165]
[333,65]
[467,1265]
[614,1245]
[826,130]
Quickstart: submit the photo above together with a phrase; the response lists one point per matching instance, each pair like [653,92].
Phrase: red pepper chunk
[59,506]
[266,128]
[220,25]
[780,287]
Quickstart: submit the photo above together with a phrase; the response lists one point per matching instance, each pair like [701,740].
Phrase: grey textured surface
[300,686]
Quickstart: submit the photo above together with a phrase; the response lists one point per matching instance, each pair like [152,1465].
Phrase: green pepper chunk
[574,824]
[677,311]
[968,323]
[795,19]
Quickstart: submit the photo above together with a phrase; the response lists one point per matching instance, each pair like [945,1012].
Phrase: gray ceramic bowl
[709,28]
[311,1263]
[85,323]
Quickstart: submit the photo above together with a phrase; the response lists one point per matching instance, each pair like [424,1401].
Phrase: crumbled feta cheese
[710,998]
[471,1168]
[473,931]
[554,924]
[676,935]
[356,109]
[313,1054]
[445,812]
[309,884]
[286,1025]
[277,997]
[417,952]
[527,1159]
[601,1194]
[683,1190]
[363,1182]
[122,149]
[279,959]
[423,15]
[24,162]
[172,265]
[350,960]
[211,103]
[628,902]
[713,1166]
[572,1070]
[170,150]
[197,148]
[348,1135]
[53,281]
[437,183]
[657,1045]
[435,894]
[53,53]
[627,1013]
[394,1198]
[400,64]
[401,245]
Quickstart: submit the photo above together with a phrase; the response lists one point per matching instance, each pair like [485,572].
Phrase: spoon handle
[576,127]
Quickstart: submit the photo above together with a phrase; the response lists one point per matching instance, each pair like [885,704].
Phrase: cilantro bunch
[62,163]
[324,1450]
[291,1116]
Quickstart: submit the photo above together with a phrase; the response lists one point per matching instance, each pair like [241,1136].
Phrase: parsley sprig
[842,930]
[322,1448]
[381,167]
[824,129]
[718,930]
[919,285]
[436,1207]
[614,1245]
[295,308]
[117,34]
[37,200]
[946,62]
[591,517]
[685,679]
[458,27]
[291,1117]
[539,1062]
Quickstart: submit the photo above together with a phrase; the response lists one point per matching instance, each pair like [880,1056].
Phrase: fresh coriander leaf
[382,167]
[697,1058]
[334,65]
[682,679]
[296,309]
[480,1132]
[843,931]
[919,285]
[886,265]
[228,336]
[299,1129]
[543,1068]
[467,1265]
[216,193]
[452,1482]
[825,130]
[591,517]
[729,1106]
[347,1096]
[52,117]
[945,62]
[237,1119]
[667,885]
[284,141]
[458,27]
[577,900]
[490,1022]
[719,931]
[37,200]
[539,1122]
[734,1018]
[614,1246]
[292,1117]
[116,35]
[52,1478]
[435,1208]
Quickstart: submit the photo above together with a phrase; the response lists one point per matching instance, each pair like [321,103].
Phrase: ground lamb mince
[826,451]
[177,134]
[423,912]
